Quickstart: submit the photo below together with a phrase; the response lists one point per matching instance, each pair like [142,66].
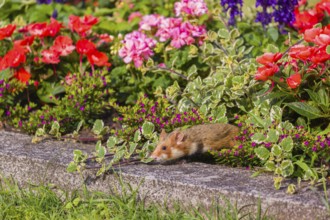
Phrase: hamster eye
[163,147]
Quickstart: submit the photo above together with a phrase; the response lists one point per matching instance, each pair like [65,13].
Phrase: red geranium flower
[98,58]
[22,75]
[84,46]
[322,40]
[269,58]
[264,72]
[63,44]
[322,6]
[294,80]
[15,57]
[320,56]
[306,19]
[38,29]
[53,28]
[81,27]
[301,52]
[26,41]
[310,34]
[89,20]
[50,56]
[7,31]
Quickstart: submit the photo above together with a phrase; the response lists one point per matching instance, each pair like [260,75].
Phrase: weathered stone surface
[190,183]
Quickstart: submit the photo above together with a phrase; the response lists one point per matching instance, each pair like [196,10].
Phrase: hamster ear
[163,135]
[179,137]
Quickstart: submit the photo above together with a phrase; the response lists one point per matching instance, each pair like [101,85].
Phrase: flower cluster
[137,47]
[310,56]
[306,19]
[190,7]
[234,7]
[282,11]
[82,25]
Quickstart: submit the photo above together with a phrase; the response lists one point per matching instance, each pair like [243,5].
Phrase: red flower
[294,80]
[323,6]
[27,41]
[269,58]
[50,56]
[301,52]
[81,25]
[310,34]
[89,20]
[98,58]
[38,29]
[306,19]
[320,56]
[22,75]
[264,72]
[322,40]
[84,46]
[63,44]
[53,28]
[14,57]
[7,31]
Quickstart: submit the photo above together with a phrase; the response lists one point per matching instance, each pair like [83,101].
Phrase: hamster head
[169,146]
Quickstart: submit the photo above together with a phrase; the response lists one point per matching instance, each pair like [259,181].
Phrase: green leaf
[270,166]
[305,109]
[276,150]
[278,182]
[137,136]
[223,33]
[324,97]
[148,128]
[328,49]
[72,167]
[262,153]
[192,71]
[273,33]
[258,138]
[272,136]
[276,113]
[76,201]
[287,168]
[79,126]
[112,141]
[287,144]
[55,128]
[98,127]
[132,147]
[48,91]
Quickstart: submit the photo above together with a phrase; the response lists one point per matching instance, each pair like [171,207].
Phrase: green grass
[43,203]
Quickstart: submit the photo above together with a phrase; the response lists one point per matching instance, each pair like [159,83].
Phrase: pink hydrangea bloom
[150,21]
[137,48]
[190,7]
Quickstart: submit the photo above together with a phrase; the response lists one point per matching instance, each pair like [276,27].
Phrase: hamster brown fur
[197,139]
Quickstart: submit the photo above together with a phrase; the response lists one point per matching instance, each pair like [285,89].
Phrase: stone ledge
[190,183]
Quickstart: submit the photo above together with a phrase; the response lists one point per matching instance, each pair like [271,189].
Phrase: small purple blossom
[306,143]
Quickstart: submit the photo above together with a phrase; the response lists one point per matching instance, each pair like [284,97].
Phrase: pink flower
[181,33]
[134,15]
[137,48]
[63,44]
[190,7]
[150,21]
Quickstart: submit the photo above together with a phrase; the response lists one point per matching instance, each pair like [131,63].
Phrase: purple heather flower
[253,144]
[234,7]
[236,153]
[269,144]
[240,146]
[306,143]
[314,148]
[239,124]
[297,136]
